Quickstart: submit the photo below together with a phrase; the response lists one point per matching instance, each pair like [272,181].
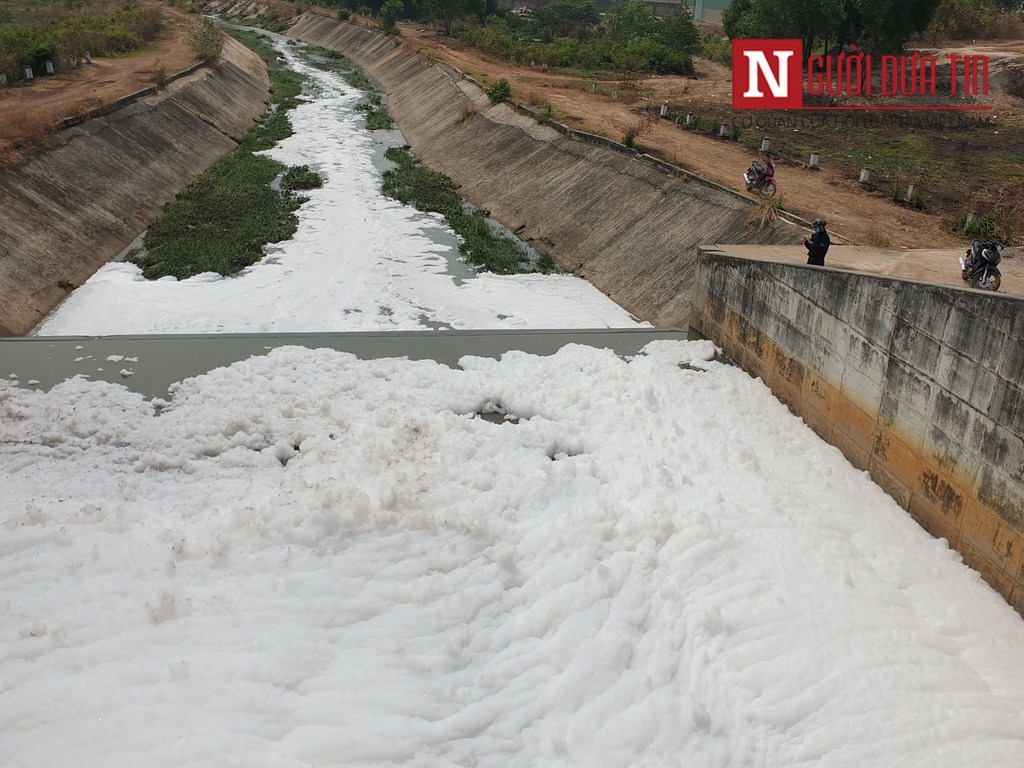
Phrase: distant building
[708,10]
[703,10]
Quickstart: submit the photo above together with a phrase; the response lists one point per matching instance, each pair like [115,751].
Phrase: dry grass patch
[765,214]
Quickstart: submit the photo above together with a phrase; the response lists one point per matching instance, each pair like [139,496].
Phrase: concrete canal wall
[70,209]
[630,229]
[922,386]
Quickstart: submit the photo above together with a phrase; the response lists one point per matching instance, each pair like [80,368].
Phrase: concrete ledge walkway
[936,266]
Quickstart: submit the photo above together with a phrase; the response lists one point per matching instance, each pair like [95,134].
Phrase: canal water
[358,262]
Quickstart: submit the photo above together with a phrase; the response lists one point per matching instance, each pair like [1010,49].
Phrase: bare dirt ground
[31,111]
[856,214]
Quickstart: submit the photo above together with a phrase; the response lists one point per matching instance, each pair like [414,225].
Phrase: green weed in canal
[301,177]
[222,220]
[377,117]
[412,183]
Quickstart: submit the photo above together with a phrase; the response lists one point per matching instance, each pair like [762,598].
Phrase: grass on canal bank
[221,221]
[412,183]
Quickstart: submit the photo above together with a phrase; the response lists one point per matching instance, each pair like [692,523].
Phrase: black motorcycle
[980,269]
[761,179]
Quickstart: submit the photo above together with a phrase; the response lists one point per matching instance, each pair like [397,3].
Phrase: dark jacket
[817,247]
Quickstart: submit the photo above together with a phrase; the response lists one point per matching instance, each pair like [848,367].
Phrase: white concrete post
[29,75]
[723,130]
[615,95]
[664,109]
[766,144]
[88,57]
[73,61]
[3,79]
[814,162]
[49,67]
[910,193]
[689,118]
[865,176]
[594,88]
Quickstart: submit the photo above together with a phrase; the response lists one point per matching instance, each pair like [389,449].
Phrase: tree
[445,11]
[630,20]
[389,12]
[567,18]
[873,25]
[679,33]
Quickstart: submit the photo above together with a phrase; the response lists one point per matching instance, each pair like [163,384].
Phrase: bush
[159,75]
[205,41]
[960,18]
[717,49]
[983,227]
[499,91]
[344,14]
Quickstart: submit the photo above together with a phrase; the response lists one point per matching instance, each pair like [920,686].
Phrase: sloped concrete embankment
[629,229]
[920,385]
[70,209]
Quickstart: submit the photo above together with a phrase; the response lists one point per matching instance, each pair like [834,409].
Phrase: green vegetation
[984,227]
[874,25]
[357,79]
[389,15]
[301,177]
[33,33]
[205,40]
[716,48]
[377,117]
[499,91]
[569,34]
[222,220]
[977,18]
[412,183]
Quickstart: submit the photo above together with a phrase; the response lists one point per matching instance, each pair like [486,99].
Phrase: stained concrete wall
[70,209]
[628,228]
[920,385]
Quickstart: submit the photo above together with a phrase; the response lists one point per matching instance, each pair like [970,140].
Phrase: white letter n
[759,63]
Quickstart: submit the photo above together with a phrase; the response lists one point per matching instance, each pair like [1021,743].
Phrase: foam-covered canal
[359,261]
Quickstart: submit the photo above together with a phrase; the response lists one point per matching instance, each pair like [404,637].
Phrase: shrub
[205,41]
[983,227]
[499,91]
[159,75]
[717,49]
[344,14]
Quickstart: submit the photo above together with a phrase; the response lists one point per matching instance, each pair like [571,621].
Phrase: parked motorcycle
[760,179]
[980,269]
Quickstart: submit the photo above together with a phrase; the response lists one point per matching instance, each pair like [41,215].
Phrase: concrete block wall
[921,386]
[70,209]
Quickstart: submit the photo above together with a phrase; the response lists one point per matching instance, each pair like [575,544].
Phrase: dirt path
[31,111]
[855,214]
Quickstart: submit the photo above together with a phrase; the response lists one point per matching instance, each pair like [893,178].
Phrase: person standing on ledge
[817,244]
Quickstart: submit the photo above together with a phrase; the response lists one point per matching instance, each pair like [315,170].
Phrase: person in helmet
[817,244]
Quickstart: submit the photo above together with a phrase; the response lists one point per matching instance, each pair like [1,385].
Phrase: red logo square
[767,74]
